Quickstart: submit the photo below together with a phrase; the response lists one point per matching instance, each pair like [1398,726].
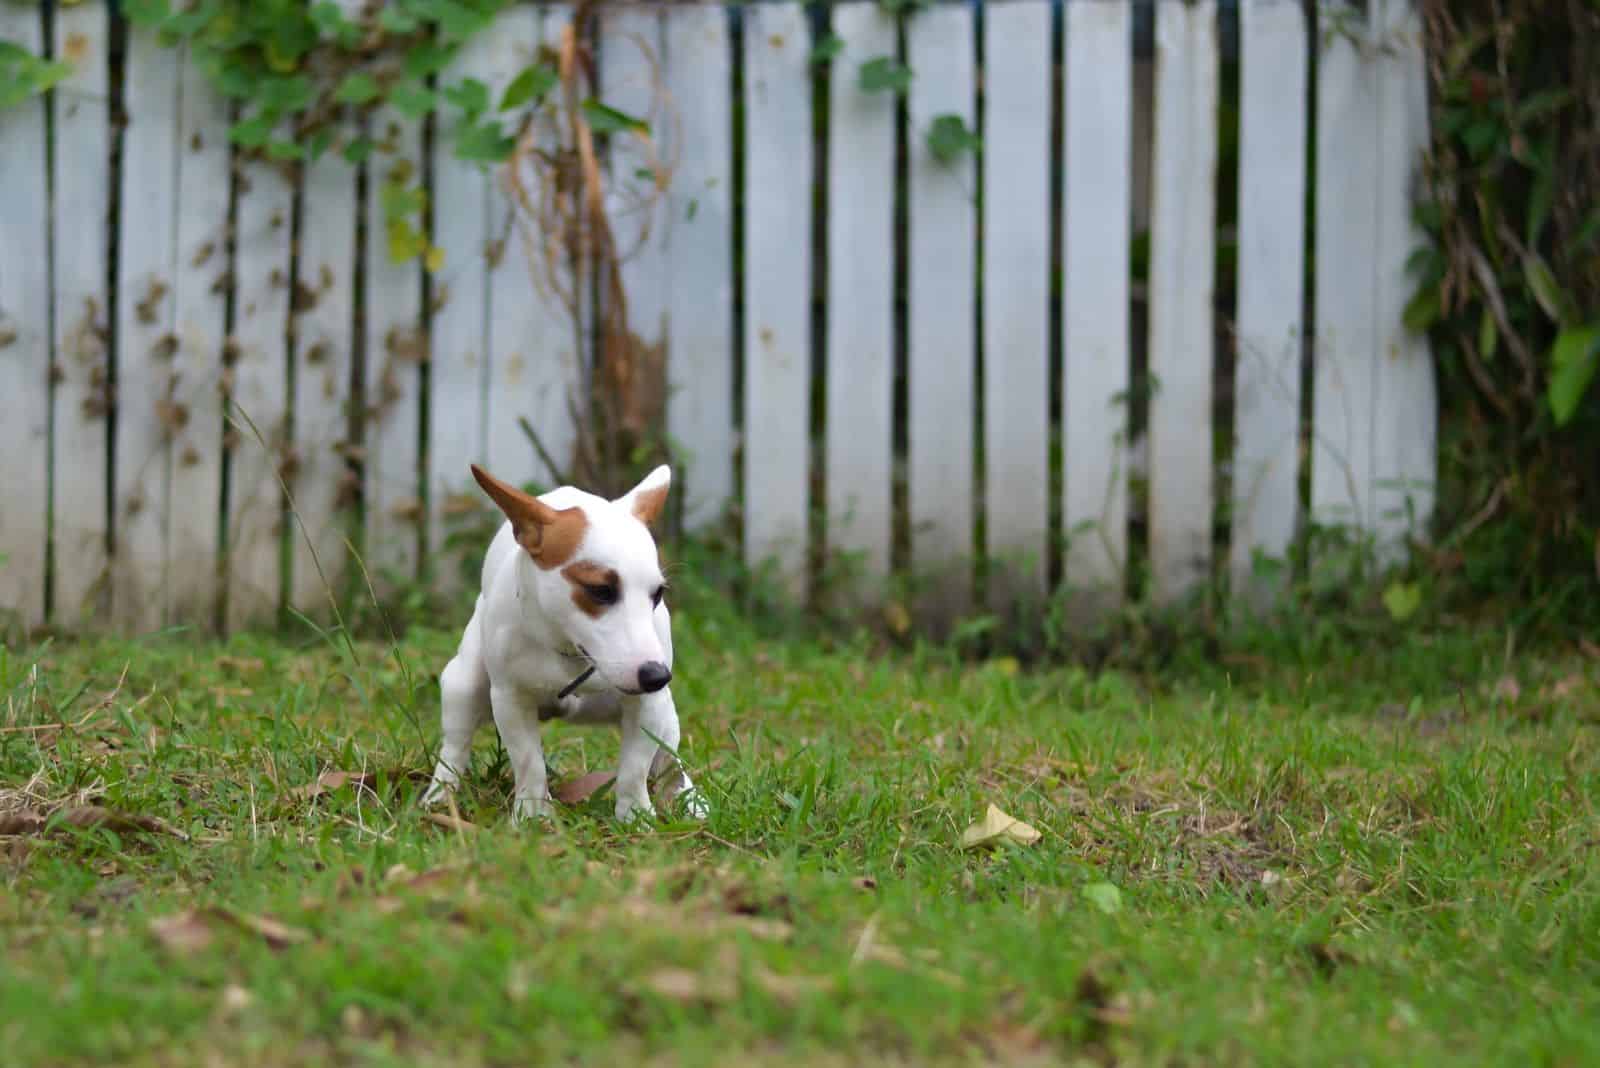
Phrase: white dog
[570,624]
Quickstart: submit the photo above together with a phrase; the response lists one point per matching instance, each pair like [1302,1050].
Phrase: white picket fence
[129,512]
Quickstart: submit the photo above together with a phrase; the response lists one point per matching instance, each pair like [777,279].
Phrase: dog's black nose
[653,676]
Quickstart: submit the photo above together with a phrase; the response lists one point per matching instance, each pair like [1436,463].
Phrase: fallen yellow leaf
[994,827]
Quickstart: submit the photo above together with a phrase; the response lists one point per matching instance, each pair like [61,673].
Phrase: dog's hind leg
[464,706]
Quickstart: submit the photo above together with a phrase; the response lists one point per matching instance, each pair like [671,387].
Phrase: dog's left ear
[647,499]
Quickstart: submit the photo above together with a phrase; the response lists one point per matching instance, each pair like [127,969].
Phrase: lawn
[1342,850]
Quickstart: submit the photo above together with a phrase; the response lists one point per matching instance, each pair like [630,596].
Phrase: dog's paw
[532,809]
[632,810]
[437,791]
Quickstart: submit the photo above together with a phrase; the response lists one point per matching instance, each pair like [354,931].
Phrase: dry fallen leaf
[576,791]
[449,822]
[193,930]
[686,987]
[789,989]
[995,827]
[330,781]
[276,934]
[29,821]
[183,932]
[235,999]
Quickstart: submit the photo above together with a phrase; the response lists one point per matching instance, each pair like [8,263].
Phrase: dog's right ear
[550,535]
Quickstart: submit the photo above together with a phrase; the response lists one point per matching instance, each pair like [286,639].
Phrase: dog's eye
[655,598]
[605,593]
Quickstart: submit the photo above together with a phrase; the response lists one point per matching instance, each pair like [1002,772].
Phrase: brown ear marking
[586,573]
[551,536]
[647,505]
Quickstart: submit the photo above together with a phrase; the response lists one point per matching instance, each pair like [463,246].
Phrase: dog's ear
[550,535]
[649,497]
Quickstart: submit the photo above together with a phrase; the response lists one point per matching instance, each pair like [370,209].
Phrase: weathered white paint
[633,66]
[1016,297]
[1182,288]
[1375,403]
[1271,284]
[458,334]
[321,489]
[860,295]
[519,329]
[1097,120]
[82,192]
[24,343]
[941,322]
[257,425]
[194,460]
[147,339]
[699,210]
[777,287]
[1346,242]
[1404,465]
[394,336]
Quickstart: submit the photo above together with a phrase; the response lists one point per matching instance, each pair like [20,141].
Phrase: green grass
[1345,851]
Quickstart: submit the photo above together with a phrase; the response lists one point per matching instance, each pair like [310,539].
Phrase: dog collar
[582,678]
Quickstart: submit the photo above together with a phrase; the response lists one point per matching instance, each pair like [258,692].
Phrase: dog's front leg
[650,739]
[645,718]
[518,723]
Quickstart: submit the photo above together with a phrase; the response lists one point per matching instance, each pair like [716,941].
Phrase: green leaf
[1422,310]
[827,49]
[428,58]
[395,19]
[1546,290]
[1488,335]
[358,150]
[604,119]
[328,18]
[284,150]
[318,143]
[483,142]
[1104,896]
[885,74]
[286,94]
[252,132]
[949,139]
[1402,599]
[457,21]
[1574,358]
[531,86]
[471,96]
[413,100]
[358,88]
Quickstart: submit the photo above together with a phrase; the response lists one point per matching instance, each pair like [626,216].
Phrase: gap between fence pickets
[24,343]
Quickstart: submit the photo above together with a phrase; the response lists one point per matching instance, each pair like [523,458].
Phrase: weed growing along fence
[893,283]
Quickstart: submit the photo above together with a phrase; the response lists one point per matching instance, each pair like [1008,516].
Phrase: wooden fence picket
[1182,291]
[81,111]
[1097,173]
[777,287]
[1271,287]
[25,356]
[860,293]
[1016,298]
[941,317]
